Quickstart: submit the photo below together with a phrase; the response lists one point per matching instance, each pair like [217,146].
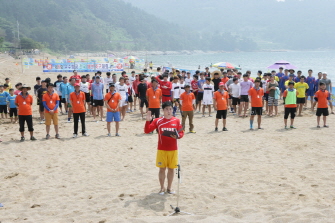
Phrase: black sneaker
[216,129]
[224,129]
[22,139]
[32,138]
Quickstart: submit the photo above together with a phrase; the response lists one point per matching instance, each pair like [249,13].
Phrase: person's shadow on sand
[153,201]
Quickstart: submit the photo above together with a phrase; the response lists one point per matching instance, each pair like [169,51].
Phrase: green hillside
[85,25]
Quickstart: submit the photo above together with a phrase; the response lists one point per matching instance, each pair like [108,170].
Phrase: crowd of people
[225,91]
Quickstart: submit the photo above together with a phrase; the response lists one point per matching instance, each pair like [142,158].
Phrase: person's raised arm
[149,127]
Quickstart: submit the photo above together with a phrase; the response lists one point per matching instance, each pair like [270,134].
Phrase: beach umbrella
[130,57]
[282,63]
[226,65]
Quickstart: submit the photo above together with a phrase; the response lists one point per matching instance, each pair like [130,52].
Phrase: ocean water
[323,61]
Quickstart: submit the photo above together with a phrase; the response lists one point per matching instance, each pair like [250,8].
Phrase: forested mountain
[292,24]
[86,25]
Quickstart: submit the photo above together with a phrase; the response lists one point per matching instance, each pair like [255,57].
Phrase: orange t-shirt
[24,104]
[113,100]
[78,102]
[154,97]
[187,104]
[221,100]
[289,106]
[256,97]
[51,101]
[323,98]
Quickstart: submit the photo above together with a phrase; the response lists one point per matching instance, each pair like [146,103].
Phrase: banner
[69,65]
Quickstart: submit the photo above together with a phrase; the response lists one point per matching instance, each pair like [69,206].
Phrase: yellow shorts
[49,117]
[167,159]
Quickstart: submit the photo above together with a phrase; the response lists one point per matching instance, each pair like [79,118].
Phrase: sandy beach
[271,175]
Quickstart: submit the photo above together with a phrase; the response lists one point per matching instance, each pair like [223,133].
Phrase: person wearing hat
[112,101]
[97,92]
[187,101]
[50,102]
[78,102]
[76,76]
[3,102]
[24,101]
[220,99]
[40,92]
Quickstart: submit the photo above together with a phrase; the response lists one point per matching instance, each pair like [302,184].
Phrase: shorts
[113,117]
[310,92]
[244,98]
[256,111]
[97,103]
[207,102]
[322,111]
[87,97]
[221,114]
[167,159]
[130,99]
[266,97]
[289,111]
[41,108]
[236,101]
[200,96]
[273,101]
[144,101]
[13,112]
[123,103]
[49,117]
[63,100]
[301,100]
[3,109]
[230,97]
[166,98]
[91,100]
[155,112]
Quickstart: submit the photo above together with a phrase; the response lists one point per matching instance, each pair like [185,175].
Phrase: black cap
[111,85]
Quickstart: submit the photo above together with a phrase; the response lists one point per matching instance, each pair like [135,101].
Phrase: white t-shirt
[122,90]
[235,90]
[84,87]
[182,88]
[175,90]
[132,79]
[188,81]
[208,91]
[107,81]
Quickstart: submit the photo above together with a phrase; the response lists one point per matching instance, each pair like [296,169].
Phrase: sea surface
[323,61]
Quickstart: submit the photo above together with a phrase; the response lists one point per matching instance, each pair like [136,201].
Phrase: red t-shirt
[194,85]
[162,124]
[77,77]
[166,92]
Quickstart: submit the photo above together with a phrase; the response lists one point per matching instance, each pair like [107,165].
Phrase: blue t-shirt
[311,83]
[97,90]
[3,98]
[11,100]
[63,89]
[70,89]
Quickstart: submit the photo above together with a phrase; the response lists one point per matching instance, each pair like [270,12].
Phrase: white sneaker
[75,135]
[85,134]
[68,121]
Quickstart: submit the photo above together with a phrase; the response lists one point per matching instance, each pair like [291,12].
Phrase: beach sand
[271,175]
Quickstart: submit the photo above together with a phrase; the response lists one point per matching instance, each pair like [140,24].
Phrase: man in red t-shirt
[166,87]
[76,76]
[169,130]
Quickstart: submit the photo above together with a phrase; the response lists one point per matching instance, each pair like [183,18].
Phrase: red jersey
[162,124]
[166,92]
[135,85]
[194,85]
[77,77]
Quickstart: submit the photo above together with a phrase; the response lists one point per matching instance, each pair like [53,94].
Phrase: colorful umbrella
[282,63]
[130,57]
[226,65]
